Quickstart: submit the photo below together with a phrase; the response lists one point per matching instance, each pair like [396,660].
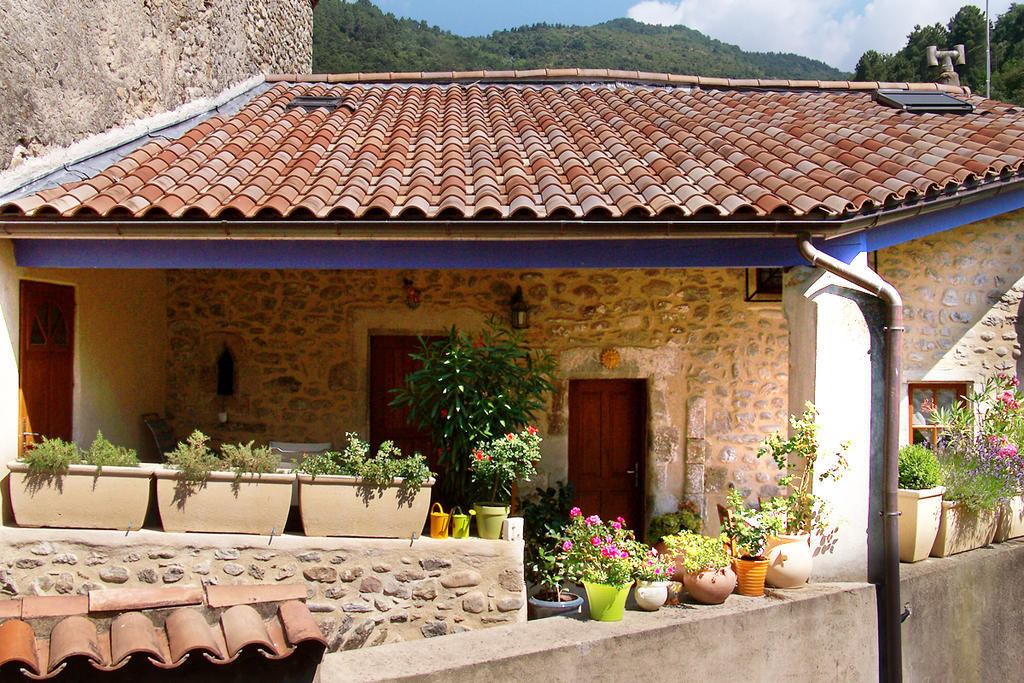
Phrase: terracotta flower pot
[750,576]
[789,560]
[710,587]
[1011,520]
[254,504]
[340,505]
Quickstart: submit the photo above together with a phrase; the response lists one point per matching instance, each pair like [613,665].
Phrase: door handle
[636,476]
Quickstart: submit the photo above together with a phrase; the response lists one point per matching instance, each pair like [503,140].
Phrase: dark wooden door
[607,442]
[46,360]
[389,364]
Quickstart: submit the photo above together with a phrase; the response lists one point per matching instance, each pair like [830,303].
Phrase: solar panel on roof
[923,102]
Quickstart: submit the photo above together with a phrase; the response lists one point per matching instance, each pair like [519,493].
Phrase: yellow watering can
[439,522]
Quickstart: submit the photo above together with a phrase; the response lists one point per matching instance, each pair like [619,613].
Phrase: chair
[291,453]
[162,433]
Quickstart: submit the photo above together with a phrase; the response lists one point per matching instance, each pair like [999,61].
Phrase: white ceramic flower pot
[920,513]
[1011,519]
[789,560]
[254,504]
[961,529]
[339,505]
[650,595]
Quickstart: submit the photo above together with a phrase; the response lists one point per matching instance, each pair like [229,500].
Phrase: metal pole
[988,55]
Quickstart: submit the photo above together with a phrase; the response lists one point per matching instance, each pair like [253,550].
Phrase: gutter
[890,619]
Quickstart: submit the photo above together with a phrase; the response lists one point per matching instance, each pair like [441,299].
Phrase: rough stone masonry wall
[361,592]
[300,342]
[71,68]
[962,296]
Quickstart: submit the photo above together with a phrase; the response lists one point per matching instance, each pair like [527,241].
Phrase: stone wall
[962,296]
[300,341]
[362,592]
[71,69]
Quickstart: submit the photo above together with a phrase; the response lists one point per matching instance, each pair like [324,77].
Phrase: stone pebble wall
[962,295]
[74,68]
[361,594]
[300,342]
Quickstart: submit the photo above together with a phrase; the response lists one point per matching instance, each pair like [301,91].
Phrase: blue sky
[834,31]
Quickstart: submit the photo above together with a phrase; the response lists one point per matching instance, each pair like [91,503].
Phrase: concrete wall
[301,346]
[965,626]
[120,352]
[69,69]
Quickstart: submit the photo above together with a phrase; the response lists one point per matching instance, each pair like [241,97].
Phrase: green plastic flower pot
[489,518]
[607,603]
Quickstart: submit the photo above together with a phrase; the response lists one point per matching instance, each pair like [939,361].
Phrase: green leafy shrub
[102,453]
[545,514]
[378,471]
[687,518]
[751,528]
[919,468]
[51,455]
[700,553]
[194,458]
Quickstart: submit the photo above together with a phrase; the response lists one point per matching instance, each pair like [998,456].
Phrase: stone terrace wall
[362,592]
[73,68]
[300,341]
[962,296]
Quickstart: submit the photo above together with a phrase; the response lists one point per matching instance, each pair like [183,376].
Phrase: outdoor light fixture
[520,311]
[412,295]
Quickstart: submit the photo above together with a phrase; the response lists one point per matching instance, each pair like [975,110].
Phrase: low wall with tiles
[362,592]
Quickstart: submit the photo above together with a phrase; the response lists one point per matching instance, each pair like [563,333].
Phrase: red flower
[444,413]
[479,455]
[531,430]
[510,436]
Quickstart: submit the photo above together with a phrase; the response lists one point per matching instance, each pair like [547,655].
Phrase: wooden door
[607,442]
[46,360]
[389,364]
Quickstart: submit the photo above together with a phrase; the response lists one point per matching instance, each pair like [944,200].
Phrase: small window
[764,284]
[923,101]
[923,396]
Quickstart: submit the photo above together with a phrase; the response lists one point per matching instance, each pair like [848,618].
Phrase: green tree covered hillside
[357,36]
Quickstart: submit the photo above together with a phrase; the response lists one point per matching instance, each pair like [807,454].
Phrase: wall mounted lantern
[412,294]
[520,310]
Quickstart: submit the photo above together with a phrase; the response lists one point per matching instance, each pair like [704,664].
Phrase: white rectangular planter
[80,498]
[1011,519]
[920,512]
[256,504]
[961,529]
[339,505]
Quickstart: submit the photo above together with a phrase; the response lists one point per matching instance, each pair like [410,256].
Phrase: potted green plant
[600,555]
[920,501]
[749,529]
[798,458]
[652,572]
[354,494]
[494,467]
[707,573]
[545,515]
[471,389]
[238,490]
[978,449]
[55,484]
[685,518]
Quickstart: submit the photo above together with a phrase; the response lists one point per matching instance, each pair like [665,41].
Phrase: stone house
[644,217]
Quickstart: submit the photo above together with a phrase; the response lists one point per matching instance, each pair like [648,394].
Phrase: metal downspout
[890,618]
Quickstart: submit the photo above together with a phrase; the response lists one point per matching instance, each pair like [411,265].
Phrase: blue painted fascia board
[352,254]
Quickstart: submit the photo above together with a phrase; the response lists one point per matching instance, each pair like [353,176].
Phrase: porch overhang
[395,244]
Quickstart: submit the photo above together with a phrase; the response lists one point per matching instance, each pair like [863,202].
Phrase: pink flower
[567,546]
[616,525]
[592,520]
[575,512]
[1008,450]
[620,520]
[595,541]
[1014,382]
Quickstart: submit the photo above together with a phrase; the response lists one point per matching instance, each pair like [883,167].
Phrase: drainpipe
[892,653]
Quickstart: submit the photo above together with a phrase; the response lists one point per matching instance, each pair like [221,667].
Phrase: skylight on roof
[923,102]
[310,103]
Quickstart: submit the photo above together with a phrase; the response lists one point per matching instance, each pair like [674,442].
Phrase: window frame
[963,389]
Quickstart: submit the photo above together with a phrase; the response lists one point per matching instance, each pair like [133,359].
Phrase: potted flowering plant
[652,573]
[707,573]
[749,530]
[494,467]
[601,556]
[982,466]
[545,515]
[920,501]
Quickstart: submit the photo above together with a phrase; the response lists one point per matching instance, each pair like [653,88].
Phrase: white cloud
[834,31]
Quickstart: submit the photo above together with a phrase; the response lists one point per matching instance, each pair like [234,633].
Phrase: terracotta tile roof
[140,637]
[552,144]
